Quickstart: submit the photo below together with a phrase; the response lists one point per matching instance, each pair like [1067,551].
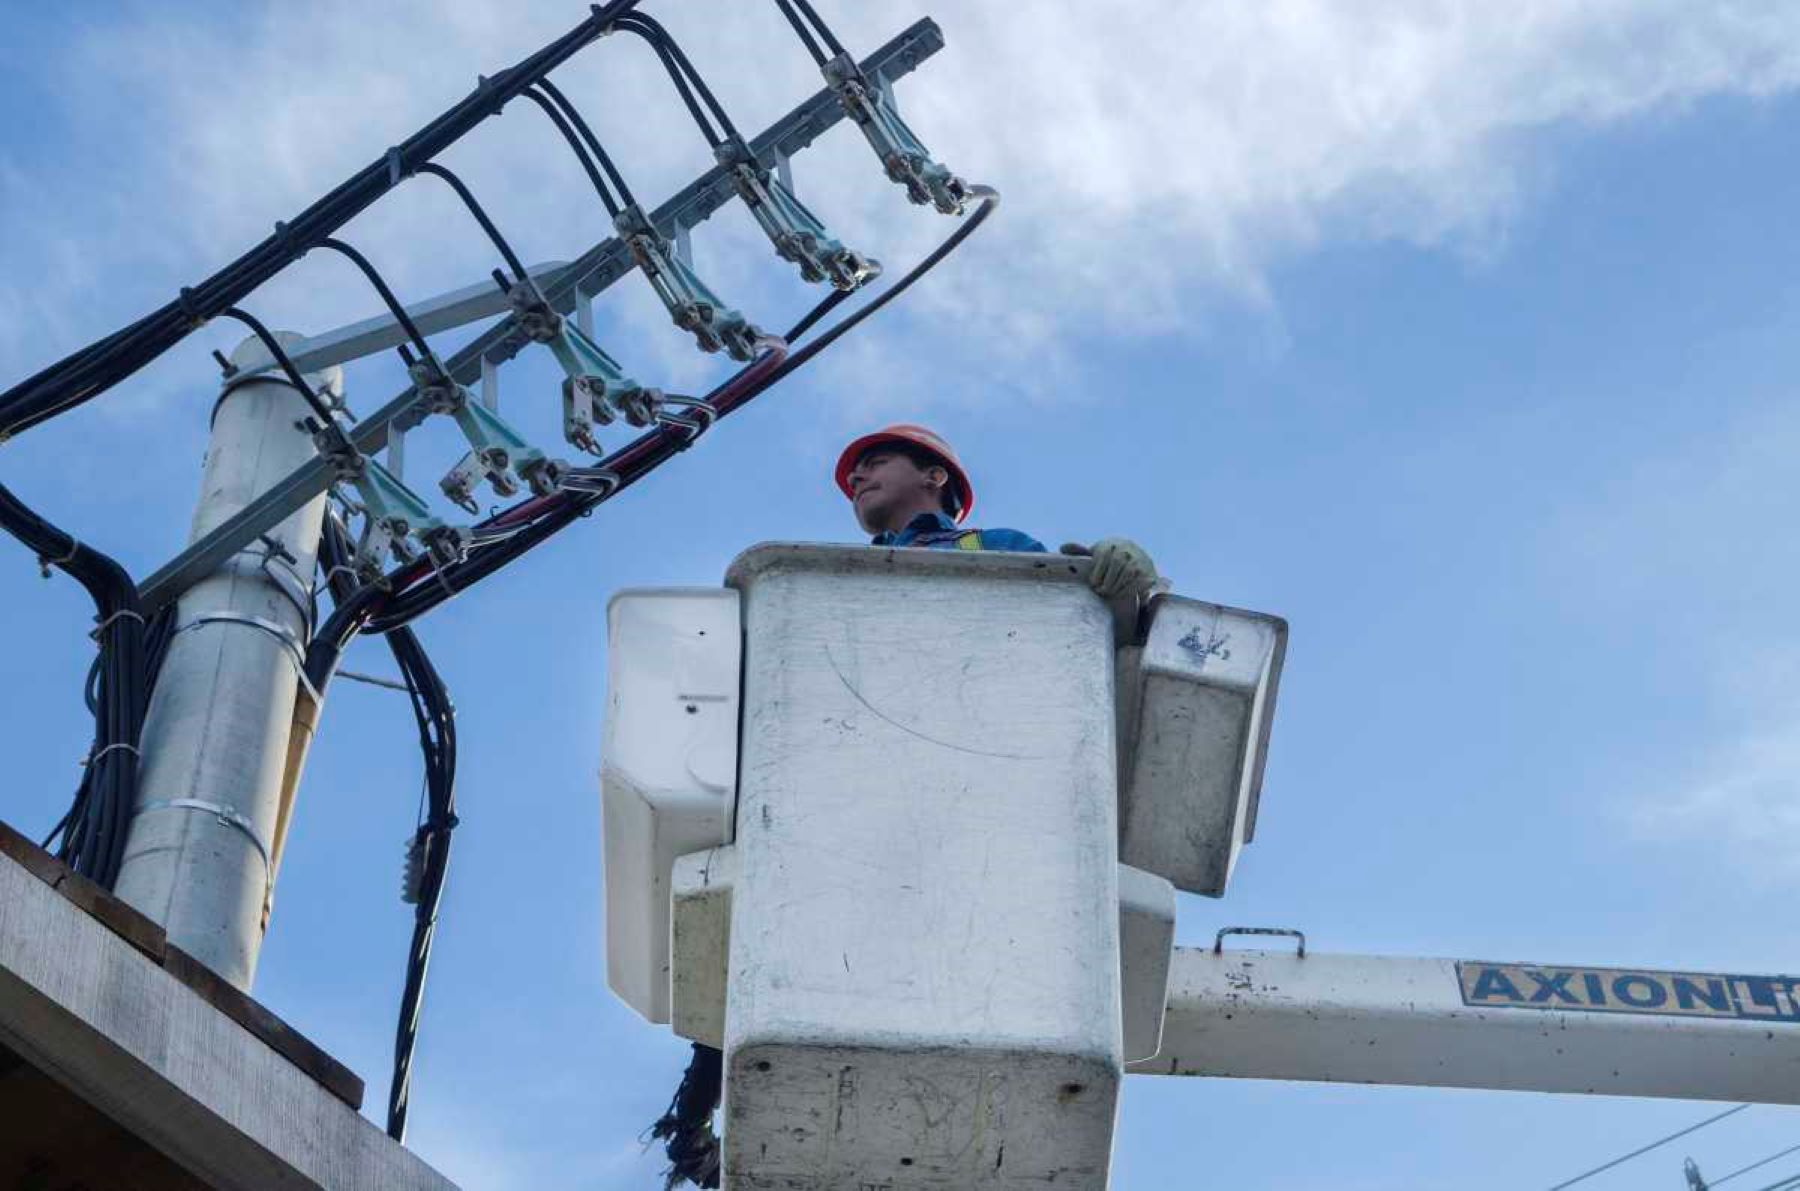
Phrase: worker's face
[889,489]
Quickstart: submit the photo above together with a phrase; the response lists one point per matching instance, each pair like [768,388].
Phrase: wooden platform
[126,1063]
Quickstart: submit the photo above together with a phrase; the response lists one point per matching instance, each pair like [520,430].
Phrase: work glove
[1121,567]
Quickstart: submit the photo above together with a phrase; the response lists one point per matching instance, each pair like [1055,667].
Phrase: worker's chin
[872,517]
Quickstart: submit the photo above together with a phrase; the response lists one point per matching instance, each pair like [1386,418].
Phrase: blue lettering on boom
[1628,990]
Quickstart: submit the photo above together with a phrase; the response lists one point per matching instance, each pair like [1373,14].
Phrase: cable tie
[184,298]
[95,756]
[443,580]
[284,239]
[396,163]
[107,623]
[45,562]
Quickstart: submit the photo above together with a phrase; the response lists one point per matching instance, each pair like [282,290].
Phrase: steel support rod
[1470,1024]
[374,335]
[206,830]
[599,267]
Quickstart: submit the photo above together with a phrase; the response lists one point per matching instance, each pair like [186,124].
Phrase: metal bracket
[695,308]
[796,233]
[595,389]
[904,156]
[497,452]
[596,269]
[292,645]
[391,513]
[1219,939]
[227,816]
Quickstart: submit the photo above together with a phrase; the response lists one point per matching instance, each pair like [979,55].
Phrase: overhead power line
[1759,1162]
[1661,1141]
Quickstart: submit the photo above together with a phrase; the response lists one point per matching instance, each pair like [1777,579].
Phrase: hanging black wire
[428,853]
[91,836]
[687,80]
[590,140]
[487,225]
[806,36]
[94,369]
[549,109]
[283,361]
[381,287]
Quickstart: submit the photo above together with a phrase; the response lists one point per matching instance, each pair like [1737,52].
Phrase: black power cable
[418,589]
[487,225]
[806,35]
[381,287]
[591,141]
[428,853]
[91,836]
[587,163]
[91,371]
[687,80]
[281,358]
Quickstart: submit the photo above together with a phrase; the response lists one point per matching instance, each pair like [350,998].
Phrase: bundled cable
[428,852]
[96,368]
[812,30]
[91,836]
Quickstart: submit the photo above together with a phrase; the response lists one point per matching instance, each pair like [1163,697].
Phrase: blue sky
[1462,338]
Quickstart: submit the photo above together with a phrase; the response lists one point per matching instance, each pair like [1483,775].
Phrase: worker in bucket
[909,489]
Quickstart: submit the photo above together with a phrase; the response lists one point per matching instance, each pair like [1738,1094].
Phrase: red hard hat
[914,436]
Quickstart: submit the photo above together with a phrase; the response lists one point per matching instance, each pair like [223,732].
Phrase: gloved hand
[1121,566]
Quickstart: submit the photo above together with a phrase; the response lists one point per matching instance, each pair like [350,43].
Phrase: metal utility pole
[216,786]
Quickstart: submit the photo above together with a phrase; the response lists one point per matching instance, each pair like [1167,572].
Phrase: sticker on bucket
[1629,990]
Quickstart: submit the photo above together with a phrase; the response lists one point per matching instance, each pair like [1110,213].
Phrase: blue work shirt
[936,531]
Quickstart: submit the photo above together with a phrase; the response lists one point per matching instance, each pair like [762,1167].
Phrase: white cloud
[1744,803]
[1155,157]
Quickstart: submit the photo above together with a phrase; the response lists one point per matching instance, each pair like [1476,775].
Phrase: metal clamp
[795,231]
[693,307]
[871,105]
[1219,939]
[117,746]
[275,561]
[45,562]
[496,453]
[121,614]
[295,649]
[226,815]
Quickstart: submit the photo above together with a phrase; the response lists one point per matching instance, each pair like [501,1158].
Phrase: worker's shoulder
[1009,539]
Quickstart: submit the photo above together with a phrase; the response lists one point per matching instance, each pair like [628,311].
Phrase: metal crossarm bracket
[695,308]
[905,157]
[497,452]
[392,513]
[796,232]
[596,391]
[591,273]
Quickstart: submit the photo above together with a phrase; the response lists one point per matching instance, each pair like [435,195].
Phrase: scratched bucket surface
[923,979]
[1197,701]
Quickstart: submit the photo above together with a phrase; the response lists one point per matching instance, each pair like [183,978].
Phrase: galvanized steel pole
[212,803]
